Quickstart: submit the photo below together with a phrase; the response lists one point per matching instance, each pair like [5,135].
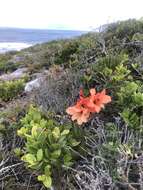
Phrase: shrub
[130,100]
[48,145]
[125,29]
[108,71]
[6,64]
[131,95]
[10,89]
[66,53]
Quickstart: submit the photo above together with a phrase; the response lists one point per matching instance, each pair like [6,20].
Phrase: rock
[18,74]
[34,84]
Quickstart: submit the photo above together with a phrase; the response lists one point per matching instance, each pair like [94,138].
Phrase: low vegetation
[83,128]
[11,89]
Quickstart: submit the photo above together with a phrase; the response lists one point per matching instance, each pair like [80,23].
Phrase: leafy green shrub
[125,29]
[48,145]
[6,64]
[10,89]
[130,99]
[69,49]
[131,119]
[130,95]
[108,71]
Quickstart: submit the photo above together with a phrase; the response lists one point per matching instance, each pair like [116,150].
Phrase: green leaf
[56,132]
[65,132]
[42,137]
[68,163]
[43,123]
[30,158]
[56,154]
[74,142]
[21,132]
[55,146]
[67,158]
[34,131]
[48,182]
[138,98]
[47,170]
[41,178]
[18,151]
[36,116]
[39,155]
[46,153]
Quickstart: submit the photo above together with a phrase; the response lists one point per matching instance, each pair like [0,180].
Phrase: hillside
[55,136]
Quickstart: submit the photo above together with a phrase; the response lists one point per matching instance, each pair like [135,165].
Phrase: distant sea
[12,39]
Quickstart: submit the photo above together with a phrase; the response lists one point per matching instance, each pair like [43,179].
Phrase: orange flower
[79,113]
[87,105]
[91,103]
[98,100]
[101,98]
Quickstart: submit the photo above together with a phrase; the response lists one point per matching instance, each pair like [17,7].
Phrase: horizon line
[28,28]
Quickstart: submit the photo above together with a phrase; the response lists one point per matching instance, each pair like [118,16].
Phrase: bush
[48,145]
[126,29]
[66,53]
[10,89]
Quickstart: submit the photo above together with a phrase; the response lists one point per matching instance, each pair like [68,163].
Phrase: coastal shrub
[107,72]
[5,63]
[126,29]
[131,95]
[130,101]
[48,145]
[66,54]
[10,89]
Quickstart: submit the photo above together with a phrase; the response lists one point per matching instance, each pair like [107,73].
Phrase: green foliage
[125,29]
[5,64]
[69,49]
[10,89]
[130,95]
[137,37]
[131,119]
[109,71]
[120,73]
[130,100]
[111,62]
[48,145]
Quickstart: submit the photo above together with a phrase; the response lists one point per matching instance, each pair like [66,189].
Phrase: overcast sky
[67,14]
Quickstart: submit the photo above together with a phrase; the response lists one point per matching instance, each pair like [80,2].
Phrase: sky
[67,14]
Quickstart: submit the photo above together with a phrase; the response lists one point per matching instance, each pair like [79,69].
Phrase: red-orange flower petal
[101,98]
[87,105]
[79,113]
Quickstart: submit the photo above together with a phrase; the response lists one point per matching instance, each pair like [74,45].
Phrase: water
[17,39]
